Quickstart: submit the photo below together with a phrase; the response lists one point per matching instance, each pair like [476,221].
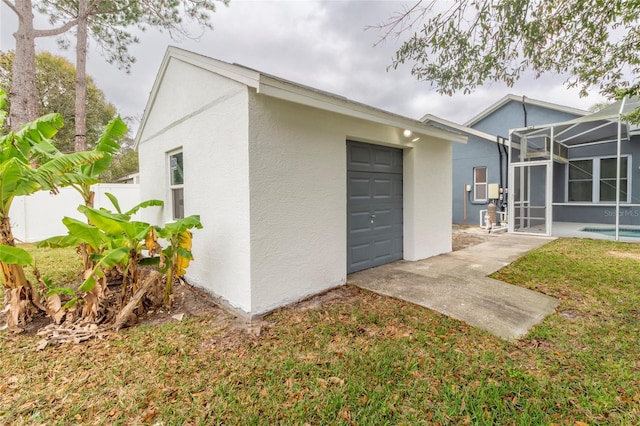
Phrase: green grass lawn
[365,360]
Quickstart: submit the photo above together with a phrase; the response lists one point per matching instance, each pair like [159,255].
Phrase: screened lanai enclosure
[579,171]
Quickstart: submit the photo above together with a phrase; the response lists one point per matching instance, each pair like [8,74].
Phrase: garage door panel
[359,156]
[374,205]
[360,255]
[383,251]
[383,158]
[397,186]
[383,221]
[373,158]
[359,187]
[397,246]
[382,188]
[360,222]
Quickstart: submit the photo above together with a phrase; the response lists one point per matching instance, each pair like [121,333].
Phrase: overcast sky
[322,44]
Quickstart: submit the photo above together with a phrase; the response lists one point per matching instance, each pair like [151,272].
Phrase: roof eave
[292,92]
[243,75]
[274,87]
[528,101]
[465,129]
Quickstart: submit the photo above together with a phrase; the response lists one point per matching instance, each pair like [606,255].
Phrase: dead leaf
[178,317]
[54,308]
[321,382]
[149,416]
[336,380]
[579,423]
[346,414]
[42,344]
[152,242]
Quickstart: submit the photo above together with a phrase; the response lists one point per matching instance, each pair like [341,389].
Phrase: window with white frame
[479,184]
[593,180]
[176,177]
[608,167]
[580,184]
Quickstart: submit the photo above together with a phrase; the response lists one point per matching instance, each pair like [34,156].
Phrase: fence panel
[39,216]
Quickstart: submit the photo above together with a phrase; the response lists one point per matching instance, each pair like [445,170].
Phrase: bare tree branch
[56,31]
[12,7]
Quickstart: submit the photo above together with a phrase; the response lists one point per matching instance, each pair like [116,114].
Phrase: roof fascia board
[528,101]
[238,73]
[292,92]
[278,88]
[428,117]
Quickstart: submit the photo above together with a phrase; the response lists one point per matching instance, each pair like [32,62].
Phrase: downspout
[506,156]
[500,167]
[499,157]
[524,108]
[503,147]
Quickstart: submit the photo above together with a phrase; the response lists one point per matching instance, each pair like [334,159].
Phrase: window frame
[485,184]
[596,179]
[175,188]
[591,180]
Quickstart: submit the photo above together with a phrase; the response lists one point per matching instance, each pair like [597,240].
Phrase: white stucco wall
[206,116]
[427,180]
[298,197]
[268,178]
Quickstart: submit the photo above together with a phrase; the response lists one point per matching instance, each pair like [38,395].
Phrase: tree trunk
[24,92]
[81,78]
[22,300]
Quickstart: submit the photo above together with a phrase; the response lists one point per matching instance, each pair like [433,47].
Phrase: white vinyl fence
[39,216]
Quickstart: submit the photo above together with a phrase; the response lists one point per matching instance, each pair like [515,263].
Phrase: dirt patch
[464,236]
[188,302]
[622,255]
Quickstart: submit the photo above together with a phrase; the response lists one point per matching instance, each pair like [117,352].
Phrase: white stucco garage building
[295,187]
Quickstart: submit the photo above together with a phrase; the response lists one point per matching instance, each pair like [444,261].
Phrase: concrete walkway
[456,284]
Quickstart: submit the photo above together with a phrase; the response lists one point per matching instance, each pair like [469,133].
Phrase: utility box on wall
[494,191]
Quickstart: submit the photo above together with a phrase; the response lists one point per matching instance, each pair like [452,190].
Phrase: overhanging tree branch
[462,45]
[12,7]
[56,31]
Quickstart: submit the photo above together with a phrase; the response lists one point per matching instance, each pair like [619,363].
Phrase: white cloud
[322,44]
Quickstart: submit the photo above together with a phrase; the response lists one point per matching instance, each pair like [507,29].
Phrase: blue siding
[476,153]
[511,116]
[481,152]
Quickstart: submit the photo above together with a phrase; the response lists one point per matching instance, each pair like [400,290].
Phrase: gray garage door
[374,205]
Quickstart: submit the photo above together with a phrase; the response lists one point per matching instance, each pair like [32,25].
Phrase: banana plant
[175,258]
[29,162]
[108,145]
[86,175]
[113,241]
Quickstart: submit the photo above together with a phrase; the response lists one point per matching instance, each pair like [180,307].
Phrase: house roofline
[528,101]
[276,87]
[459,127]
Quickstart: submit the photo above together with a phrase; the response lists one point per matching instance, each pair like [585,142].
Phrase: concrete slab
[456,285]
